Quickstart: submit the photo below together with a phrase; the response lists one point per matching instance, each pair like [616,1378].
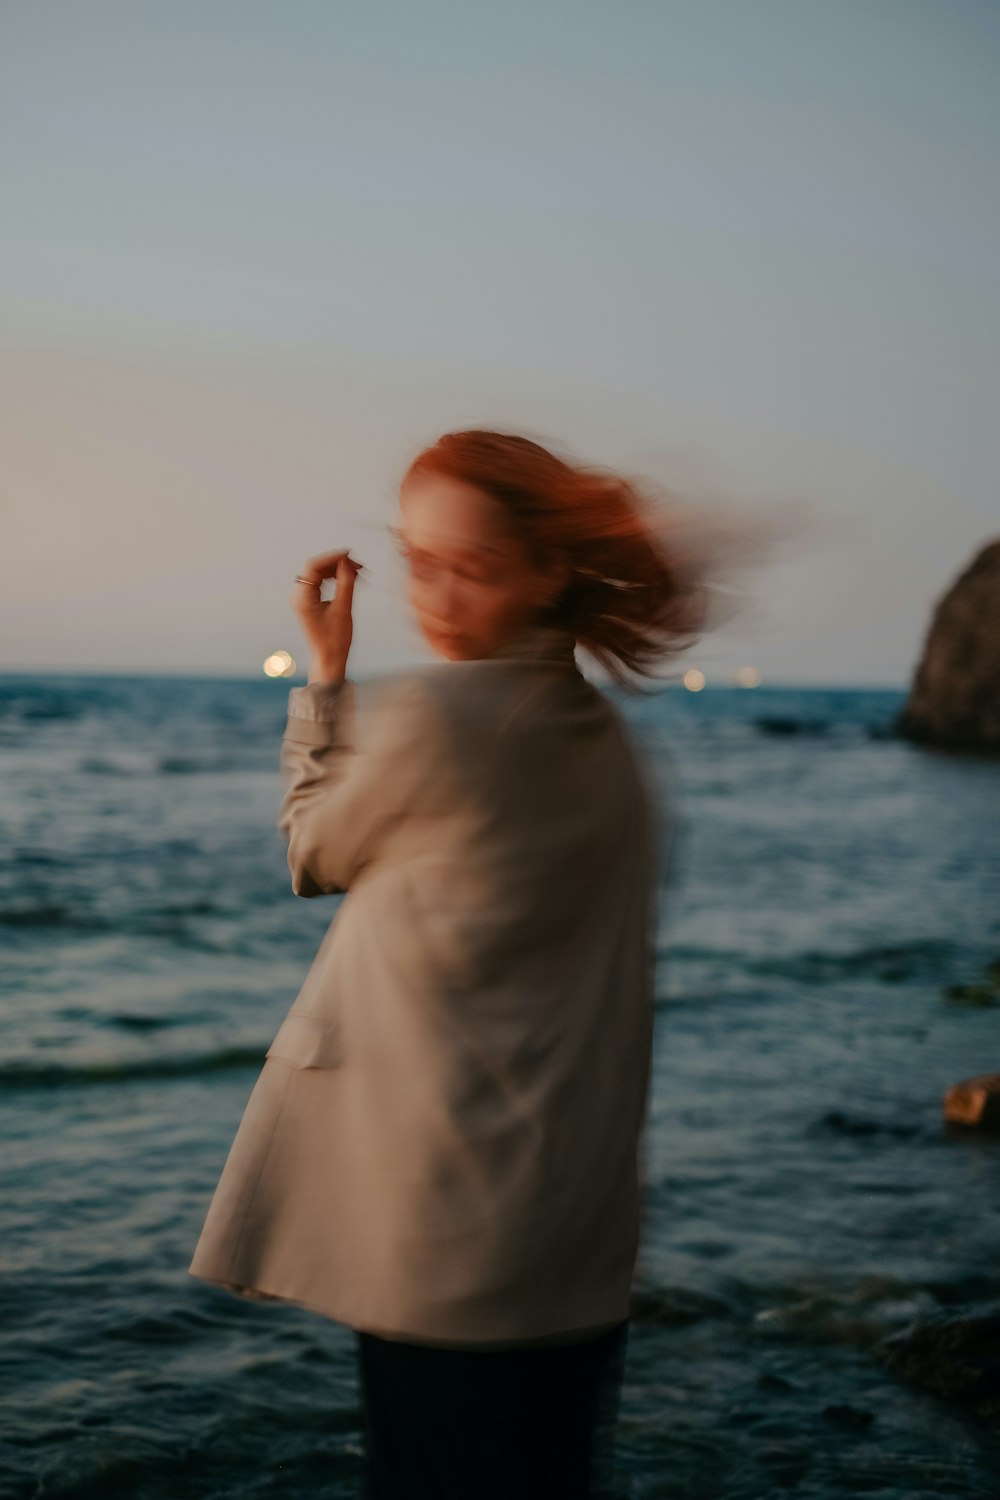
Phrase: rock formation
[954,700]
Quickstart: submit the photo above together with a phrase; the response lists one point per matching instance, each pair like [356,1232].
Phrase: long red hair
[640,590]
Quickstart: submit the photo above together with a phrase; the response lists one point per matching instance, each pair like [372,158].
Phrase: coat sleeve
[348,775]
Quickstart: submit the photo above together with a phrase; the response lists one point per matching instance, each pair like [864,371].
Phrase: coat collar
[538,642]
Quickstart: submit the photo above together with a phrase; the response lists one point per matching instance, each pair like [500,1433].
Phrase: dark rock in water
[974,1101]
[954,700]
[977,992]
[781,724]
[973,994]
[958,1358]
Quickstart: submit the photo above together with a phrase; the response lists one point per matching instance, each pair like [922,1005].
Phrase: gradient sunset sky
[257,254]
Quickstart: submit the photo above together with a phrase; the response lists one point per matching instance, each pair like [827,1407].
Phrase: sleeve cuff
[321,712]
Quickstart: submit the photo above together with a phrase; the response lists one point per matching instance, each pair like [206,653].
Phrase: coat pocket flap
[308,1042]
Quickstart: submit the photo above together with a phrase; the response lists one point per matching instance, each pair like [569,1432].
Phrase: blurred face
[470,581]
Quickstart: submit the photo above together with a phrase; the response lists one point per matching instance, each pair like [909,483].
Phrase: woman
[443,1149]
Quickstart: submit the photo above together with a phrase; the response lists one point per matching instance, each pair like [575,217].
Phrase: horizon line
[300,680]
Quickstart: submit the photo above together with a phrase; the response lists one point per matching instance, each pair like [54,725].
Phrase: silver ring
[313,583]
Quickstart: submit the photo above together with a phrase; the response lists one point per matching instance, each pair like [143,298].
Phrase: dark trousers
[498,1424]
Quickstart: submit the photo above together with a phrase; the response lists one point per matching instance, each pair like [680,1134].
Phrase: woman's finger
[345,576]
[325,564]
[305,597]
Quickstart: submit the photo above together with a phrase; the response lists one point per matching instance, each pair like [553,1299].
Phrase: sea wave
[30,1075]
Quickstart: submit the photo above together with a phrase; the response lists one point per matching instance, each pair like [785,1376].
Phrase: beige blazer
[445,1142]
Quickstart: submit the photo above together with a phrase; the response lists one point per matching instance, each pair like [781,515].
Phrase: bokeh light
[279,664]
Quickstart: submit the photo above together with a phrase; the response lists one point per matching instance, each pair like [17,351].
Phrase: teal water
[833,884]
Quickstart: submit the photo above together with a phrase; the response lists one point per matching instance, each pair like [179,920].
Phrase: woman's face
[470,582]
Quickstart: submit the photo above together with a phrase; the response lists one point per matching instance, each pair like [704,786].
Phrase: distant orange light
[747,676]
[694,679]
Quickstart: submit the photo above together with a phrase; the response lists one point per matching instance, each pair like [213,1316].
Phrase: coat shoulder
[464,711]
[445,695]
[400,702]
[489,692]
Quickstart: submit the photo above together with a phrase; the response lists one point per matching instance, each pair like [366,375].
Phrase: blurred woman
[443,1150]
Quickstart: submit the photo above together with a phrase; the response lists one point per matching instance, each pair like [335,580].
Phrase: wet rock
[958,1358]
[978,992]
[974,1101]
[972,994]
[782,724]
[954,699]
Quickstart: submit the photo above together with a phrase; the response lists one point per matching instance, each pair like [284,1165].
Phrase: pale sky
[256,255]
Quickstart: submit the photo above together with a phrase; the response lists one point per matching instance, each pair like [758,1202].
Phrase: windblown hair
[639,592]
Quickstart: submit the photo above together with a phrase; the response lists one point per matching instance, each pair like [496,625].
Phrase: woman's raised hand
[327,625]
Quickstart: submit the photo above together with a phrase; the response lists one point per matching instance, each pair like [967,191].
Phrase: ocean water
[836,892]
